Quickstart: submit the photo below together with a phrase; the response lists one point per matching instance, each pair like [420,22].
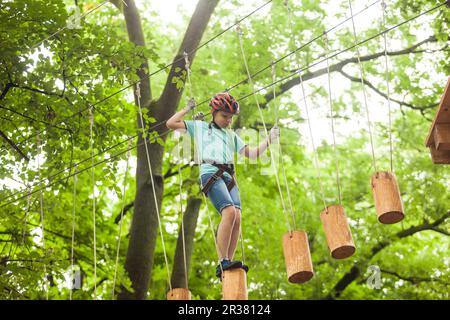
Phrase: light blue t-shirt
[213,144]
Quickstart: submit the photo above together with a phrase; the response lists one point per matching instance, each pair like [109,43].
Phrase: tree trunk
[144,226]
[179,274]
[138,255]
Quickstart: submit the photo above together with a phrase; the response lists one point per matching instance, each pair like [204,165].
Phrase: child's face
[223,119]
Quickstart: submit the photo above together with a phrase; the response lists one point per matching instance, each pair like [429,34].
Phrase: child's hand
[199,116]
[274,134]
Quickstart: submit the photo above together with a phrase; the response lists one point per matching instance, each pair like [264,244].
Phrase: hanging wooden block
[337,232]
[234,284]
[179,294]
[438,139]
[297,256]
[388,202]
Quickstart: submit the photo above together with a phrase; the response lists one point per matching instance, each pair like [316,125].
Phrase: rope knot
[186,60]
[91,117]
[239,29]
[75,169]
[138,90]
[191,104]
[130,145]
[273,71]
[38,139]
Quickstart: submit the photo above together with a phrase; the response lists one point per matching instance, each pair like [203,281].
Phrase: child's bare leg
[224,231]
[235,234]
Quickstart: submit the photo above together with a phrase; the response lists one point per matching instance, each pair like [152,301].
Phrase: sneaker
[227,264]
[245,267]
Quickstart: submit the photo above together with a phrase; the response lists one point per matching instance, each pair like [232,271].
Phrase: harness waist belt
[218,174]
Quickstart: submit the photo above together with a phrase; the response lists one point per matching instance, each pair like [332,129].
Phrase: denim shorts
[219,194]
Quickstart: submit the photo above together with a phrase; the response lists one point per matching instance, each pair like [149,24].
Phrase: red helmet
[224,102]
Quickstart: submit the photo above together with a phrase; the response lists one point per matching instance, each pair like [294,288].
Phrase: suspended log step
[337,232]
[438,139]
[234,284]
[179,294]
[297,256]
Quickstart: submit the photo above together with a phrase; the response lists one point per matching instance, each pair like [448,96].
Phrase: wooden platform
[438,139]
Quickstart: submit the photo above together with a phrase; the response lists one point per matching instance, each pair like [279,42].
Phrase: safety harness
[222,168]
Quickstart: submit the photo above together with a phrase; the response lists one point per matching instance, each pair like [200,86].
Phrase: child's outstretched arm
[254,153]
[176,121]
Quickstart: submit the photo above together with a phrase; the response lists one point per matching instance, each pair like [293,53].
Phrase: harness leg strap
[216,176]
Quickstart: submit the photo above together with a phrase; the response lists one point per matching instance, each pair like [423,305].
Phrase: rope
[188,73]
[199,47]
[316,158]
[199,155]
[87,168]
[91,139]
[73,227]
[41,209]
[239,31]
[26,214]
[241,235]
[138,95]
[361,69]
[344,50]
[181,186]
[332,121]
[182,223]
[276,105]
[65,27]
[383,6]
[295,51]
[211,225]
[187,65]
[298,71]
[157,71]
[294,73]
[121,219]
[248,95]
[291,207]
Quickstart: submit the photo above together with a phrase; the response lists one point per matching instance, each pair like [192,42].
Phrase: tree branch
[5,90]
[125,210]
[35,120]
[12,144]
[171,173]
[37,90]
[371,86]
[338,66]
[439,230]
[411,279]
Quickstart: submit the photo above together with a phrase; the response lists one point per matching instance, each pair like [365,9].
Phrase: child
[216,146]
